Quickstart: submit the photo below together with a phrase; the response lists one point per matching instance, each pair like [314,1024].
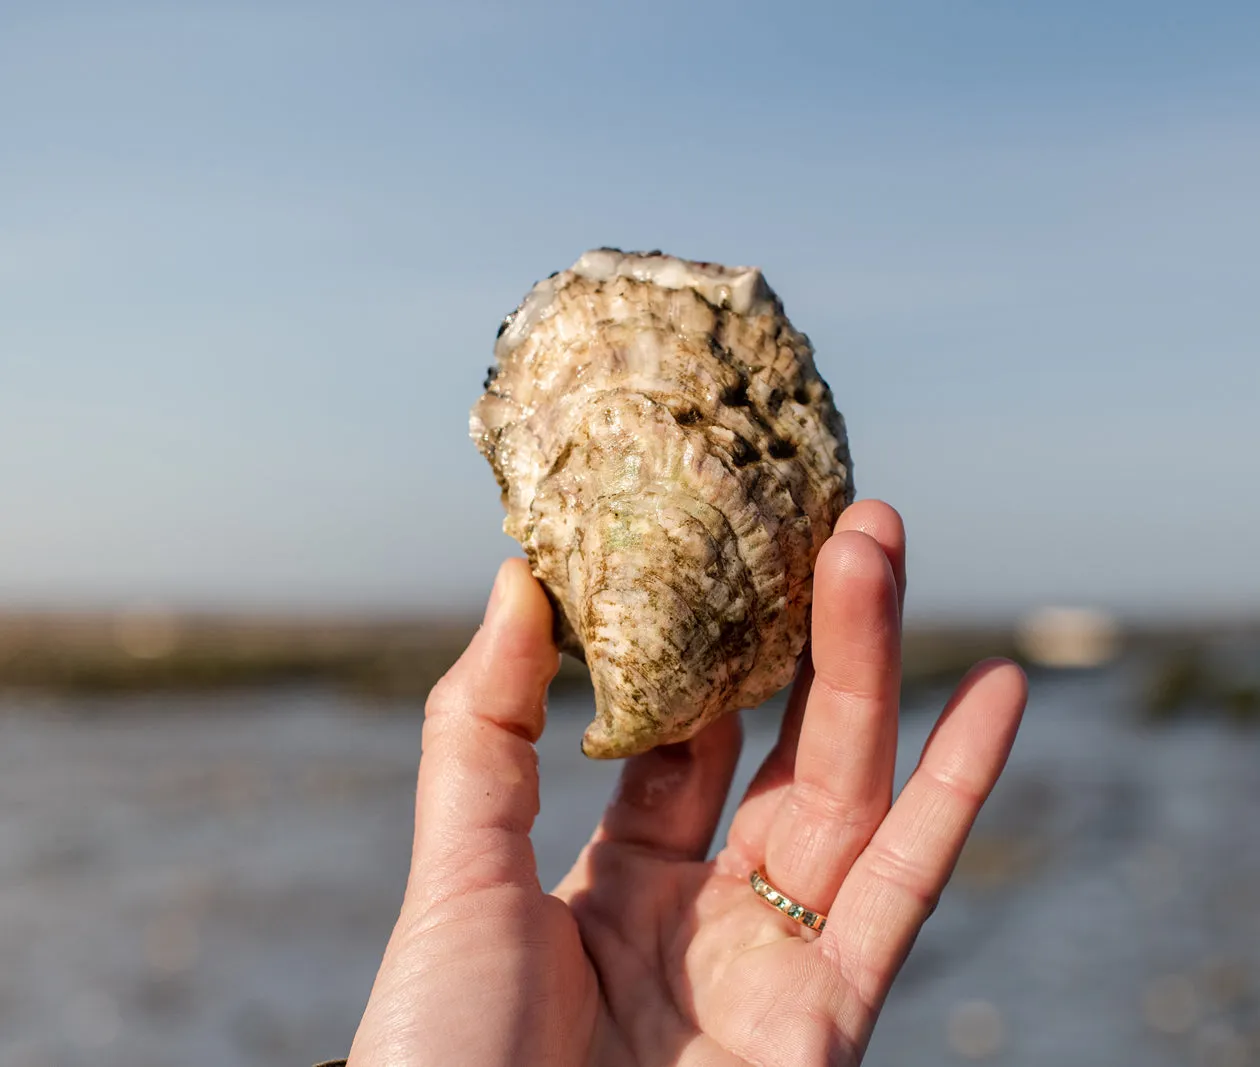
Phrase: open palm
[647,953]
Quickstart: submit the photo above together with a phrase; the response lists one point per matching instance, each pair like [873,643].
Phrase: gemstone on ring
[794,911]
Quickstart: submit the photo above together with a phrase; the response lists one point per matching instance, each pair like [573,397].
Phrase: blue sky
[253,256]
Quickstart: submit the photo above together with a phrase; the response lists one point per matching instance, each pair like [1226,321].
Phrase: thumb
[477,795]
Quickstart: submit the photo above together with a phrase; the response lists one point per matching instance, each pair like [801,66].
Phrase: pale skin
[647,953]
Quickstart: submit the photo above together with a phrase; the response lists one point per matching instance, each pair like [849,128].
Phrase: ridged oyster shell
[671,463]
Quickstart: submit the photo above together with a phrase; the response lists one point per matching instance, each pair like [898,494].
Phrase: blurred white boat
[1068,637]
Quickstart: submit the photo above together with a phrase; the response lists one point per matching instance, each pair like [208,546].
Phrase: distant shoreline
[400,659]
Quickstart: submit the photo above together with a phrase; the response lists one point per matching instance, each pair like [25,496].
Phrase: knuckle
[957,790]
[813,802]
[445,698]
[906,876]
[867,688]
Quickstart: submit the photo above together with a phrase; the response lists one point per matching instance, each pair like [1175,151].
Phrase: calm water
[198,881]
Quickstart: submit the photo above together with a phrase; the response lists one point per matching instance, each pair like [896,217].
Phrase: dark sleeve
[332,1063]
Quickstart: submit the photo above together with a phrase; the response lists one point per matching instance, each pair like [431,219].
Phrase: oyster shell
[671,463]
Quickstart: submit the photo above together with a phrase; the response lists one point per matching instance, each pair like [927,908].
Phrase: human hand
[647,953]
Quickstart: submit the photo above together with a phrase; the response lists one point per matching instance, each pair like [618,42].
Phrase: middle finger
[845,757]
[750,828]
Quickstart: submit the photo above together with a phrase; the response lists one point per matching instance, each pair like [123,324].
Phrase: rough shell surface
[671,463]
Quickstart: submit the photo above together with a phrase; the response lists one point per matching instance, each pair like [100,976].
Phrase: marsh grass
[1211,674]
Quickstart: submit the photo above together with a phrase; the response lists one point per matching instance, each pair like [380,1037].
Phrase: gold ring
[794,911]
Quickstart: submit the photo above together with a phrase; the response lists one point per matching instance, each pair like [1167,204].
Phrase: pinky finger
[895,883]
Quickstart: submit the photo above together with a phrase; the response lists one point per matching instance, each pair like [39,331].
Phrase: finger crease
[967,795]
[868,699]
[899,872]
[809,798]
